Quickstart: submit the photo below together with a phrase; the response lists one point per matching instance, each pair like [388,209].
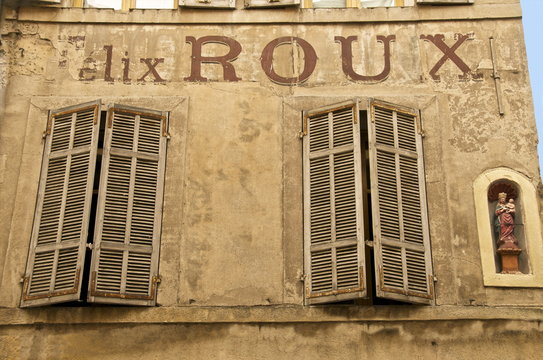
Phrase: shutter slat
[59,235]
[130,215]
[402,245]
[333,205]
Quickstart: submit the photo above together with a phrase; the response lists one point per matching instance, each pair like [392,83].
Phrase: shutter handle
[369,243]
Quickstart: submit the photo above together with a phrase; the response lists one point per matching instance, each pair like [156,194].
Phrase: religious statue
[505,223]
[507,243]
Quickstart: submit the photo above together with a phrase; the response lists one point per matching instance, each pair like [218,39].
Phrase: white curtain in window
[376,3]
[105,4]
[329,3]
[154,4]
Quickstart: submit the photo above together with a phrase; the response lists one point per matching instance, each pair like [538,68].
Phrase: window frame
[355,4]
[126,5]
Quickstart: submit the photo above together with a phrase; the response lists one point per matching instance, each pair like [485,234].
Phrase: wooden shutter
[270,3]
[333,223]
[124,266]
[59,234]
[401,239]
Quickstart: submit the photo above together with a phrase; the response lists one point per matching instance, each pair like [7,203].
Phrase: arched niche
[528,230]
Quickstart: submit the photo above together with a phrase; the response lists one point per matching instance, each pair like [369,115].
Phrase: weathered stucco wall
[362,340]
[232,226]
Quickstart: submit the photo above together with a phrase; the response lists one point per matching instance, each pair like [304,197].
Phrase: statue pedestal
[509,260]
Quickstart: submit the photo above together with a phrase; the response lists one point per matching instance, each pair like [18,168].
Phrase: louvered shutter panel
[60,229]
[401,239]
[124,266]
[333,223]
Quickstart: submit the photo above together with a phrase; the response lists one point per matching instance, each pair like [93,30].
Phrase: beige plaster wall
[232,229]
[362,340]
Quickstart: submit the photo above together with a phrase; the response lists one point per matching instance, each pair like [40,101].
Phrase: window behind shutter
[402,246]
[124,266]
[60,228]
[333,224]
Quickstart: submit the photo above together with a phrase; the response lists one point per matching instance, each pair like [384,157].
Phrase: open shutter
[401,239]
[59,233]
[124,267]
[333,223]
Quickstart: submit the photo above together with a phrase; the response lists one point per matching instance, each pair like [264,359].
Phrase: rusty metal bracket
[305,126]
[496,76]
[48,126]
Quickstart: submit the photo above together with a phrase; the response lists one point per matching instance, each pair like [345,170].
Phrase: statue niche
[502,196]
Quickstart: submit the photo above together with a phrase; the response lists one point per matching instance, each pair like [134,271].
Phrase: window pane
[107,4]
[329,3]
[376,3]
[154,4]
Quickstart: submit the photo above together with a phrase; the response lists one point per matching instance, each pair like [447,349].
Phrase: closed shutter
[333,223]
[124,266]
[60,228]
[402,245]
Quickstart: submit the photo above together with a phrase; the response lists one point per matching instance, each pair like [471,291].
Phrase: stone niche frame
[532,229]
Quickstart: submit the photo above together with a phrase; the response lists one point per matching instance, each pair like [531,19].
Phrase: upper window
[98,233]
[356,3]
[127,4]
[365,205]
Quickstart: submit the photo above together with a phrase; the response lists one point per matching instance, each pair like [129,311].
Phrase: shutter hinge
[157,279]
[435,278]
[48,127]
[305,126]
[110,117]
[302,277]
[418,121]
